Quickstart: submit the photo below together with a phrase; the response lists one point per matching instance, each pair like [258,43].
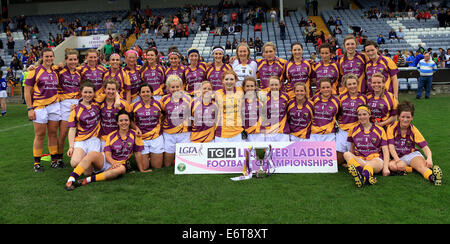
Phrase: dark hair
[406,106]
[292,46]
[87,83]
[123,111]
[145,85]
[325,45]
[369,43]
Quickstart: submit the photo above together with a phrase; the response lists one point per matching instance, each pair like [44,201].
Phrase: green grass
[162,197]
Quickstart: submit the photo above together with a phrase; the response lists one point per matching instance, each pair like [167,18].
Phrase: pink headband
[114,54]
[131,51]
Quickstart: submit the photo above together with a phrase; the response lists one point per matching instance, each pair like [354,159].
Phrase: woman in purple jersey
[176,68]
[252,110]
[300,113]
[148,119]
[326,68]
[84,126]
[195,72]
[153,73]
[353,62]
[275,108]
[369,153]
[134,73]
[204,114]
[297,69]
[120,146]
[215,71]
[69,92]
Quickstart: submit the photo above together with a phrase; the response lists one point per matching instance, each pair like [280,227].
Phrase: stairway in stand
[130,41]
[320,25]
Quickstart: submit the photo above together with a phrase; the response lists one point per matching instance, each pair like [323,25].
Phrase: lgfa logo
[192,150]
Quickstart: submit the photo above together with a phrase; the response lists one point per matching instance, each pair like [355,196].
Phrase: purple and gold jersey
[194,77]
[251,116]
[298,72]
[123,80]
[148,118]
[300,118]
[108,120]
[122,148]
[45,86]
[384,65]
[356,66]
[229,123]
[69,84]
[93,74]
[368,144]
[178,71]
[276,113]
[86,119]
[204,124]
[135,79]
[405,144]
[331,71]
[214,75]
[325,113]
[267,69]
[382,107]
[348,117]
[155,77]
[177,113]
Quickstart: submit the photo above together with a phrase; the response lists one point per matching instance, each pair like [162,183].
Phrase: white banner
[93,41]
[229,158]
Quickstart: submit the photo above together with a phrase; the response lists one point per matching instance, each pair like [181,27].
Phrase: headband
[176,53]
[131,51]
[114,54]
[193,50]
[218,49]
[363,108]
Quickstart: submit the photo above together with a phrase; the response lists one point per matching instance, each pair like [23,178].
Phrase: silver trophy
[264,160]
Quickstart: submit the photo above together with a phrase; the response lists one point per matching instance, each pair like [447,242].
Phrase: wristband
[30,108]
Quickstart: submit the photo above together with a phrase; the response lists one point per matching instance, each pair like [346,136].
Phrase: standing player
[92,70]
[326,107]
[117,73]
[177,112]
[269,66]
[133,71]
[382,103]
[369,153]
[215,71]
[243,66]
[326,68]
[276,112]
[120,146]
[69,92]
[252,111]
[348,118]
[41,97]
[195,72]
[204,113]
[300,112]
[229,100]
[403,137]
[353,62]
[176,68]
[147,113]
[381,64]
[153,73]
[298,69]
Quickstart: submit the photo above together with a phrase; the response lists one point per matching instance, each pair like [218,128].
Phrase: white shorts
[102,145]
[377,159]
[408,157]
[170,140]
[154,146]
[256,137]
[92,144]
[237,138]
[275,137]
[323,137]
[106,165]
[50,112]
[157,97]
[342,145]
[295,138]
[65,106]
[3,94]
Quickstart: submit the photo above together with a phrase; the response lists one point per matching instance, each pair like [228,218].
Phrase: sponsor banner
[229,158]
[93,41]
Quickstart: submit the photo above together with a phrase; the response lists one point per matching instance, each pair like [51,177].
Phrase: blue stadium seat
[413,83]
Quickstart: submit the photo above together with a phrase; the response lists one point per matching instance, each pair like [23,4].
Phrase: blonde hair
[347,77]
[243,44]
[173,78]
[302,84]
[70,51]
[269,44]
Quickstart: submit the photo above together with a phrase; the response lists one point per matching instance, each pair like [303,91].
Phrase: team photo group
[109,115]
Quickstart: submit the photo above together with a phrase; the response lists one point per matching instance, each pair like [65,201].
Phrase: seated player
[369,153]
[120,145]
[403,137]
